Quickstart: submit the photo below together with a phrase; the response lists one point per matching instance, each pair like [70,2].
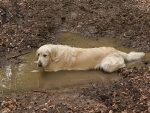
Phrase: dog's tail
[132,56]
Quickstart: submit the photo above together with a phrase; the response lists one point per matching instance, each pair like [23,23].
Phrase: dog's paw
[98,67]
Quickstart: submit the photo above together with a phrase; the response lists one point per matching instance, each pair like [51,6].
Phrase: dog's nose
[39,64]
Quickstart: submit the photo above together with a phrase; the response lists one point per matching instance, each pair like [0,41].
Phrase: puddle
[26,76]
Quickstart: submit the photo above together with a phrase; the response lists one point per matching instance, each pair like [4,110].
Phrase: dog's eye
[38,54]
[44,55]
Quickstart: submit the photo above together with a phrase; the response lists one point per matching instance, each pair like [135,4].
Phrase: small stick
[39,91]
[18,55]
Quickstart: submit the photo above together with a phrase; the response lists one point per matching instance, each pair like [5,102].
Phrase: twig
[18,55]
[57,110]
[39,91]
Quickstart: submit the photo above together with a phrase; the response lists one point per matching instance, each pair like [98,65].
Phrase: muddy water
[26,76]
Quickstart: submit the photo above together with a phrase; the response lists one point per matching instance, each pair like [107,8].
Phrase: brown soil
[129,95]
[27,24]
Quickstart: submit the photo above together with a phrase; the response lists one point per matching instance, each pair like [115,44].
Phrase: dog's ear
[53,53]
[37,55]
[37,52]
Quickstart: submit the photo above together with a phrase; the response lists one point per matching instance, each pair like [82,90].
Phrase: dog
[62,57]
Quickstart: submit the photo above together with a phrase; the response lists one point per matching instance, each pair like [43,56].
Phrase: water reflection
[5,82]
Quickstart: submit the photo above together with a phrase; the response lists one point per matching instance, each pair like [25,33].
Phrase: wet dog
[63,57]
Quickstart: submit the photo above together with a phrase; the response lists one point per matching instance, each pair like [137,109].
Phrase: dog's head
[44,55]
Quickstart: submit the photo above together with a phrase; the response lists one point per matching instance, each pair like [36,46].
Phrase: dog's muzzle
[40,64]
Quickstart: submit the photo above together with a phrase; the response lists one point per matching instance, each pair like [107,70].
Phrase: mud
[25,75]
[28,24]
[128,95]
[25,89]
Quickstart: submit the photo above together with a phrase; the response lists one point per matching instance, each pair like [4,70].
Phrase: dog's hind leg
[111,63]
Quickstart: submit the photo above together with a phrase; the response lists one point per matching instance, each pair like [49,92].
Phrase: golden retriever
[63,57]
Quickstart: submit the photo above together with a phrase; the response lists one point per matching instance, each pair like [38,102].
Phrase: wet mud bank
[129,94]
[26,75]
[29,24]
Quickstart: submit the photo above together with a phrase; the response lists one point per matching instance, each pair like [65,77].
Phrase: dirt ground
[27,24]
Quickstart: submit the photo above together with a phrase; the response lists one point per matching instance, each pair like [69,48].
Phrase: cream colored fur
[62,57]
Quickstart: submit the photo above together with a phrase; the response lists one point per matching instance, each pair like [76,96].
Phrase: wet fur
[62,57]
